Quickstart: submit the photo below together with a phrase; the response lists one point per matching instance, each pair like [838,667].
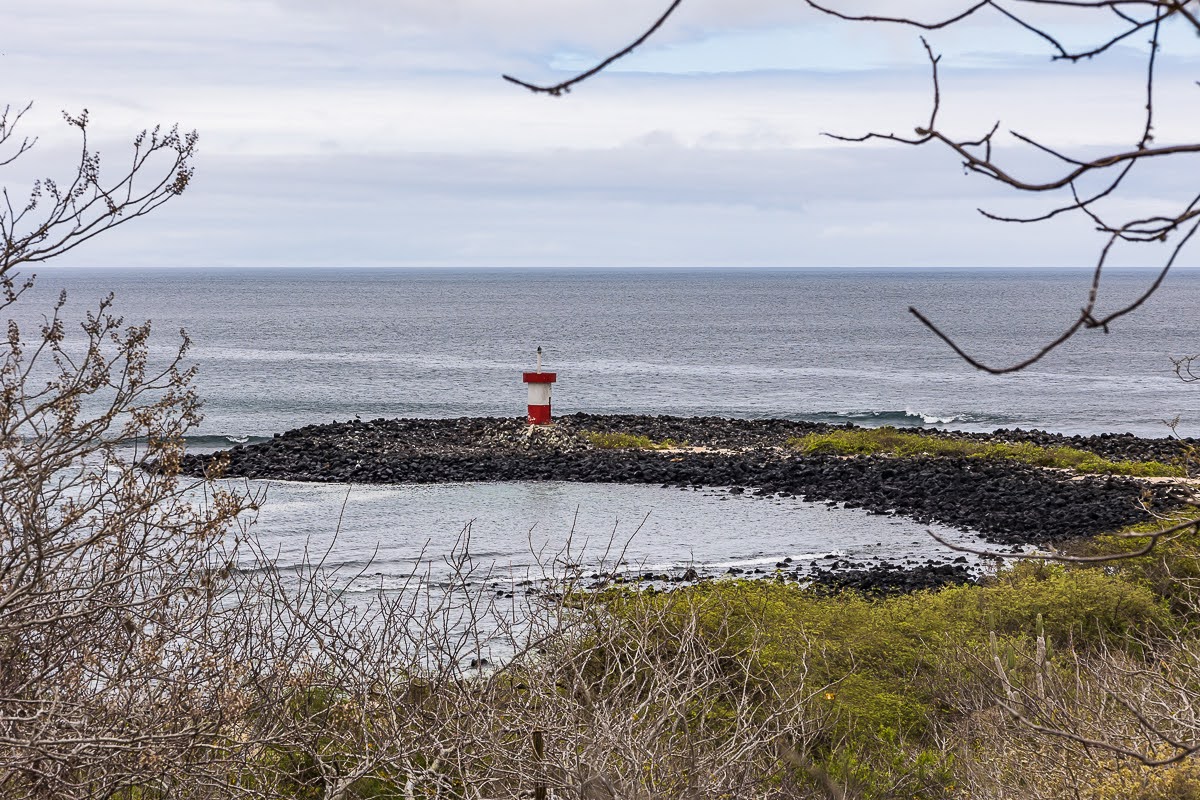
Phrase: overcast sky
[379,132]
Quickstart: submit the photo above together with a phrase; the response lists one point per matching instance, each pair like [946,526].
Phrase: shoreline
[1008,503]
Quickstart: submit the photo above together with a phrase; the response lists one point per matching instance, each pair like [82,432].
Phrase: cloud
[646,204]
[373,132]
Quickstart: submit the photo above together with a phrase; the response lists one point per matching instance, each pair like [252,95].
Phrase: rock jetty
[1010,503]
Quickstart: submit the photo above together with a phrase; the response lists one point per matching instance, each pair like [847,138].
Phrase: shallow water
[376,537]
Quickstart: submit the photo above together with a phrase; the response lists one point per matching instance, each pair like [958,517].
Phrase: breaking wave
[222,442]
[908,418]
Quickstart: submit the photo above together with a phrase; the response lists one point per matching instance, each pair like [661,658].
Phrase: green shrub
[628,441]
[1171,569]
[872,441]
[888,676]
[891,770]
[782,625]
[889,441]
[1132,781]
[1080,606]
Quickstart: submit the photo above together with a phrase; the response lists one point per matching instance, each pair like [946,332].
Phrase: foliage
[628,441]
[890,441]
[1171,569]
[896,673]
[1133,781]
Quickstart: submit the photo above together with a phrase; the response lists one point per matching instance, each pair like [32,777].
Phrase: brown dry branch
[58,216]
[1185,368]
[392,693]
[1098,721]
[565,86]
[653,705]
[1143,709]
[1152,540]
[115,667]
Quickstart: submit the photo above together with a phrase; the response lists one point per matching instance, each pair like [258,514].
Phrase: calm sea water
[279,349]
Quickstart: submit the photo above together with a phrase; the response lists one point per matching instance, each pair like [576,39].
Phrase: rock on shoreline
[1008,502]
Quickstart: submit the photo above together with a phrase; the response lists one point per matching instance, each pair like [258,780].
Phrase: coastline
[1010,504]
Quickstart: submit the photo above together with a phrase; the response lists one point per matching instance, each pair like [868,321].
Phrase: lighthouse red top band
[539,377]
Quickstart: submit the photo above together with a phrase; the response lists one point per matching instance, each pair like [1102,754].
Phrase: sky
[380,133]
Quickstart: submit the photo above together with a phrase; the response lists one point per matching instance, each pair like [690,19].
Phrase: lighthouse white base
[539,403]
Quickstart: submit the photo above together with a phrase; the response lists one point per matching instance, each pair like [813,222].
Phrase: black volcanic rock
[1008,502]
[887,579]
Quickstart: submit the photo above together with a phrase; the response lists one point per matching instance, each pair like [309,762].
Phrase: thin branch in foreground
[1184,368]
[1153,537]
[1086,318]
[565,86]
[1182,750]
[979,155]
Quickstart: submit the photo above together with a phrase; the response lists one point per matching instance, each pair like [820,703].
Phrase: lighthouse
[539,392]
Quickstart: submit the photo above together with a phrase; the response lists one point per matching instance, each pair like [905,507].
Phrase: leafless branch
[979,155]
[58,217]
[565,86]
[1153,539]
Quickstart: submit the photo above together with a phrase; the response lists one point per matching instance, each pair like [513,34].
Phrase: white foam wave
[935,419]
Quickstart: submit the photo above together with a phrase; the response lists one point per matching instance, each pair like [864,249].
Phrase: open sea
[282,348]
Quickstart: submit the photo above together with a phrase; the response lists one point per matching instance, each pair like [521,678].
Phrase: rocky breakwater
[1010,503]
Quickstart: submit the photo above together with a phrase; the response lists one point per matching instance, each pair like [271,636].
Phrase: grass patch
[628,441]
[889,441]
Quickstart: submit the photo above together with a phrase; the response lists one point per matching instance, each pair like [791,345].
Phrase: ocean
[283,348]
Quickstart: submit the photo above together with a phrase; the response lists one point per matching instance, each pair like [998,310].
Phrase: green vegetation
[1172,567]
[889,441]
[758,689]
[628,441]
[894,680]
[898,652]
[751,689]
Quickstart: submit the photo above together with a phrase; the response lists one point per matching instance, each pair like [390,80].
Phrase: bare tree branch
[565,86]
[979,155]
[1153,539]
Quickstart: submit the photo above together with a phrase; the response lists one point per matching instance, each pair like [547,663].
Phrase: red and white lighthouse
[539,392]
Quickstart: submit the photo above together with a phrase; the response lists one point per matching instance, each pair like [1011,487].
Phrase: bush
[628,441]
[1133,781]
[1171,569]
[890,676]
[889,441]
